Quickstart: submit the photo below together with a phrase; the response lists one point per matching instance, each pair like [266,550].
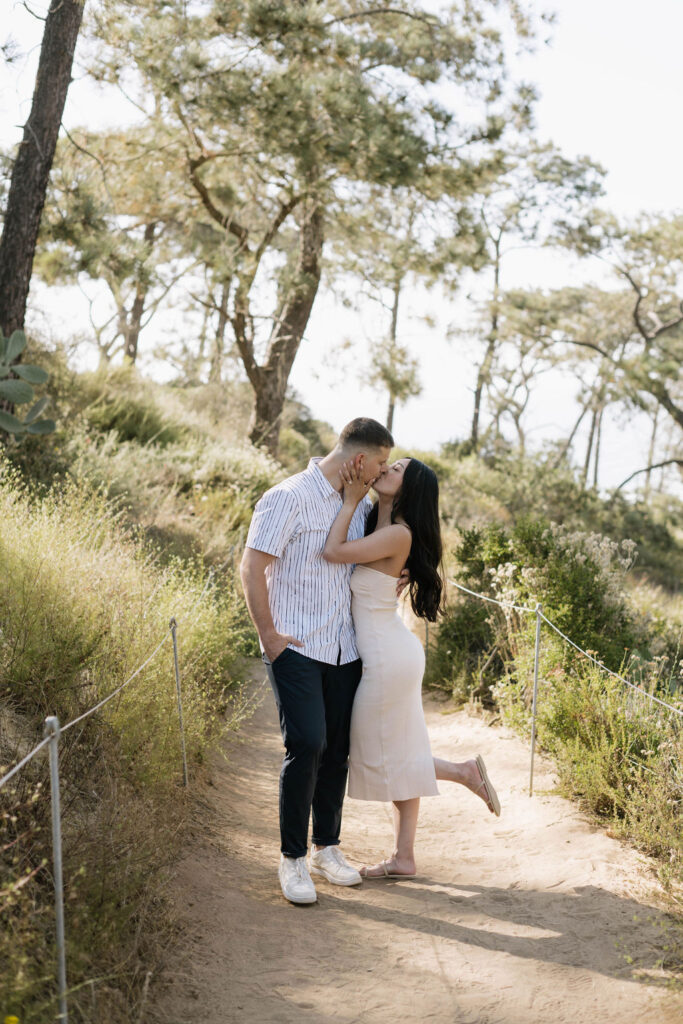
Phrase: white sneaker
[297,884]
[331,863]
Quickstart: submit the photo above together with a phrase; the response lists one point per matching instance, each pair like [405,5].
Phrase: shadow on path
[470,941]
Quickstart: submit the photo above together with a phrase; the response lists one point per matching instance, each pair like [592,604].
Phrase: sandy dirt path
[532,918]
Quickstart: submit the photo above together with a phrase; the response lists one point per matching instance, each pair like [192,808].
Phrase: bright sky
[611,86]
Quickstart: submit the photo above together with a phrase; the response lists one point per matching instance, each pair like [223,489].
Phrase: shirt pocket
[310,540]
[314,518]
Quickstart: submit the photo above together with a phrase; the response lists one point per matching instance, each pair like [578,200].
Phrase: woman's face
[390,484]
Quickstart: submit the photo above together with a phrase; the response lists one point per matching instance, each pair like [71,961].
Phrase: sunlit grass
[82,605]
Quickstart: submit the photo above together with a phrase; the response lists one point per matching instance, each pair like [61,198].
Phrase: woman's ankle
[405,861]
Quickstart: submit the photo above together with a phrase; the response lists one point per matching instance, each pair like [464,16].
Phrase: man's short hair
[364,432]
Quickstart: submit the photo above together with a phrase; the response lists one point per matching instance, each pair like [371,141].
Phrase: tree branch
[154,305]
[430,20]
[583,344]
[225,220]
[283,213]
[646,469]
[659,391]
[93,156]
[245,346]
[674,322]
[640,327]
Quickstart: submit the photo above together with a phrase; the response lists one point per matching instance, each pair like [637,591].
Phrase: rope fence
[540,617]
[603,667]
[492,600]
[53,732]
[651,771]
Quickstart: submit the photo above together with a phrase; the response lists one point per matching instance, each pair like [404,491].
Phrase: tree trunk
[269,402]
[390,413]
[520,433]
[667,450]
[194,364]
[482,378]
[270,380]
[132,331]
[393,331]
[134,321]
[660,392]
[598,436]
[589,449]
[568,443]
[32,166]
[651,454]
[485,367]
[216,368]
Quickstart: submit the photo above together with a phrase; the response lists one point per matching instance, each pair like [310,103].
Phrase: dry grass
[82,603]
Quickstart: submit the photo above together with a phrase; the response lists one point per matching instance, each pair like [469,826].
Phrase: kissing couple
[322,572]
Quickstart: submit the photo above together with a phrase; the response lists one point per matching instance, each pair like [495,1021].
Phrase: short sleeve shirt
[309,598]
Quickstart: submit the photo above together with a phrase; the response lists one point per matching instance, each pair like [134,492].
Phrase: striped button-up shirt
[309,598]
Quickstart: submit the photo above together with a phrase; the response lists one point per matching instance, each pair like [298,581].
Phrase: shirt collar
[321,482]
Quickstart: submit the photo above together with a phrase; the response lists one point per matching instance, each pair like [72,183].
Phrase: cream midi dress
[390,757]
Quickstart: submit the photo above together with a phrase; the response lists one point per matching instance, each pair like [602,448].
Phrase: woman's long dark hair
[417,504]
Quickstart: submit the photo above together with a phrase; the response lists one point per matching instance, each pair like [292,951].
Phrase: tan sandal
[387,874]
[491,794]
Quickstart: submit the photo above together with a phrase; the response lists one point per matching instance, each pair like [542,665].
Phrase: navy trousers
[314,701]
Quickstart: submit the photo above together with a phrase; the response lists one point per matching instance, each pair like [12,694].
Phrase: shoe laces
[301,870]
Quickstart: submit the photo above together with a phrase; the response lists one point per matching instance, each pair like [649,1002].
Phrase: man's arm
[252,572]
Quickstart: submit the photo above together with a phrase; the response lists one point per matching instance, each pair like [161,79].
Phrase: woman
[390,757]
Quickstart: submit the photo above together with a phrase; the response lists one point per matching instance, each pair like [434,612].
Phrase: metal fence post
[174,627]
[52,731]
[539,609]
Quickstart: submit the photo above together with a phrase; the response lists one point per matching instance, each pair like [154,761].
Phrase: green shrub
[191,499]
[616,751]
[577,577]
[134,420]
[120,400]
[463,660]
[502,489]
[294,450]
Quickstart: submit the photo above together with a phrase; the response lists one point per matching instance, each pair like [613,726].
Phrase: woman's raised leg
[468,774]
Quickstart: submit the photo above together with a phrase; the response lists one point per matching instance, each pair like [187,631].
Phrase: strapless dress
[390,757]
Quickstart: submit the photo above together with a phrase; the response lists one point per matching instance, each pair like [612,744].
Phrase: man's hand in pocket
[275,644]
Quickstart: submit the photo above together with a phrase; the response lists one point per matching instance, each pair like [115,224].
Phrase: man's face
[372,463]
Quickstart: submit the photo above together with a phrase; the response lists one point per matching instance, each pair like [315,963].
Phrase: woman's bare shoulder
[403,526]
[393,527]
[401,531]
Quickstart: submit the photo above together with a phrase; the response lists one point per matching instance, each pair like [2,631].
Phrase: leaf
[16,391]
[33,374]
[10,423]
[35,410]
[15,345]
[41,427]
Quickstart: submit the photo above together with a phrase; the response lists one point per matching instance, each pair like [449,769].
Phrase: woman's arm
[392,540]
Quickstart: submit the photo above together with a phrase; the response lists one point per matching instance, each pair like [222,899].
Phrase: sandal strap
[482,784]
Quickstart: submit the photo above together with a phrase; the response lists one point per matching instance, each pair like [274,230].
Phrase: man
[301,607]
